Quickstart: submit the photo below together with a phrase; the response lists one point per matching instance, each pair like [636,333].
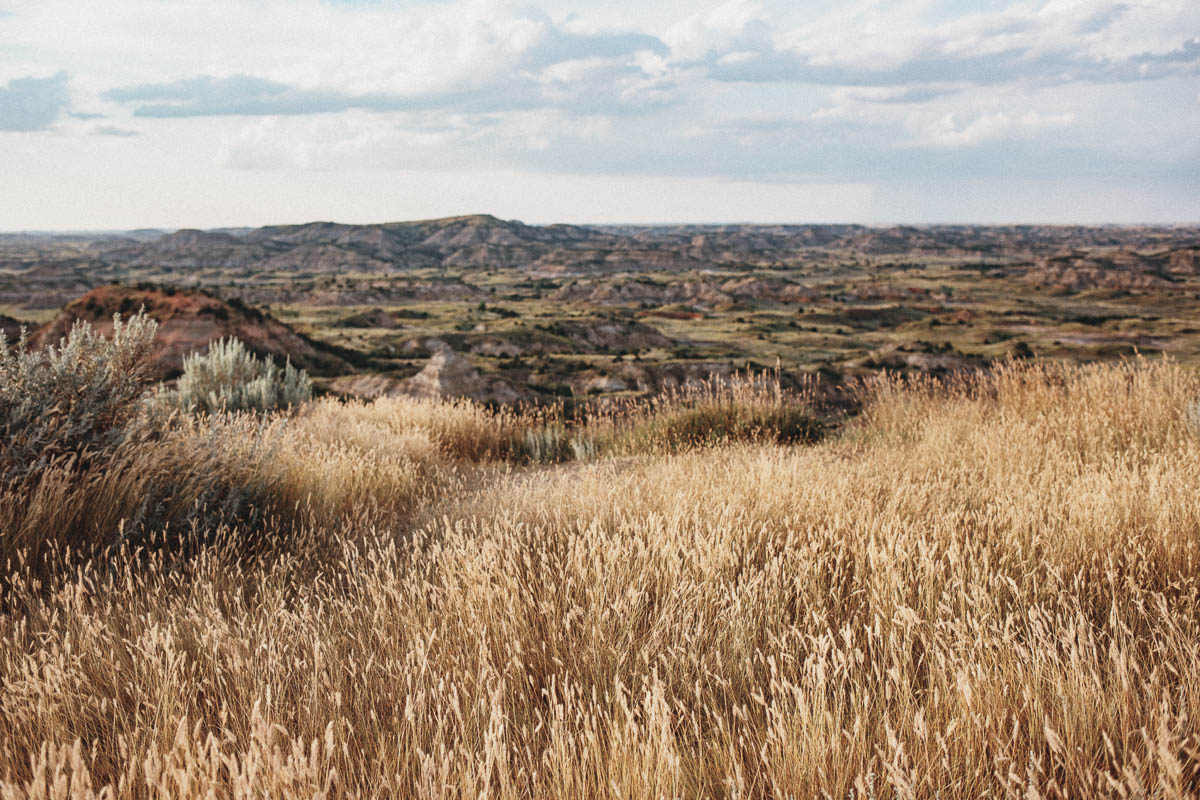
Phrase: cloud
[33,104]
[561,45]
[489,58]
[895,94]
[1002,143]
[430,140]
[959,130]
[244,95]
[1053,44]
[1185,58]
[113,130]
[943,120]
[585,85]
[260,146]
[1017,63]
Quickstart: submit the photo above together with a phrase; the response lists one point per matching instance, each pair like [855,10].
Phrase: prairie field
[984,586]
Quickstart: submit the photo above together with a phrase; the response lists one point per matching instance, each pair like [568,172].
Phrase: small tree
[71,400]
[231,378]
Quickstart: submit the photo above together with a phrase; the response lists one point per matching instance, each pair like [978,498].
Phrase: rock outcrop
[772,290]
[1121,269]
[446,375]
[449,374]
[698,293]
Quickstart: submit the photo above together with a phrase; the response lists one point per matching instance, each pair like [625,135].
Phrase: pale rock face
[449,374]
[366,387]
[605,383]
[432,344]
[624,292]
[446,375]
[1185,261]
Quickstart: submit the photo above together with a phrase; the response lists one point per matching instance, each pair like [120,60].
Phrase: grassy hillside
[982,588]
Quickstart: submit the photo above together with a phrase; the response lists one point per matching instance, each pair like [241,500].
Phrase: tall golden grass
[265,475]
[983,589]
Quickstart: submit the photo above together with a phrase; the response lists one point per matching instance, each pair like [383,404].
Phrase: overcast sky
[204,113]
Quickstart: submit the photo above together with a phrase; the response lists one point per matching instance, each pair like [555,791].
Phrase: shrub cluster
[83,466]
[72,401]
[231,378]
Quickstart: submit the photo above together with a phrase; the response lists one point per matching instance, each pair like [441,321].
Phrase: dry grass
[983,590]
[266,476]
[742,408]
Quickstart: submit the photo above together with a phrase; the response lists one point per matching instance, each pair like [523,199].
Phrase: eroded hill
[564,311]
[188,321]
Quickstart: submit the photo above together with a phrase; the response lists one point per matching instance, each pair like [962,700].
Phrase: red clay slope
[187,322]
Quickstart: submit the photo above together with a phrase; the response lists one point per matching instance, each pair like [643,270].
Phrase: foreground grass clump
[750,408]
[90,460]
[985,589]
[741,409]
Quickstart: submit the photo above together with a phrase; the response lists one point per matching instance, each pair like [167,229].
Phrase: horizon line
[748,223]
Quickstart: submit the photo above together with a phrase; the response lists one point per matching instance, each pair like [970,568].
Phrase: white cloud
[732,26]
[957,130]
[942,120]
[871,43]
[259,145]
[112,130]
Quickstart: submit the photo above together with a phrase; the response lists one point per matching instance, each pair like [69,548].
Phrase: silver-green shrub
[231,378]
[73,400]
[547,444]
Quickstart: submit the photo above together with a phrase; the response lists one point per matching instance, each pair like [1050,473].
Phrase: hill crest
[188,322]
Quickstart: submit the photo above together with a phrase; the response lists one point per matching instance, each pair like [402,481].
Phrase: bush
[714,424]
[72,401]
[231,378]
[717,424]
[750,408]
[548,444]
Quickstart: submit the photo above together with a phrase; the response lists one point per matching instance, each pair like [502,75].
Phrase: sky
[207,113]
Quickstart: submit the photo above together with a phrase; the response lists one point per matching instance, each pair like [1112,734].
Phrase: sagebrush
[70,401]
[230,378]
